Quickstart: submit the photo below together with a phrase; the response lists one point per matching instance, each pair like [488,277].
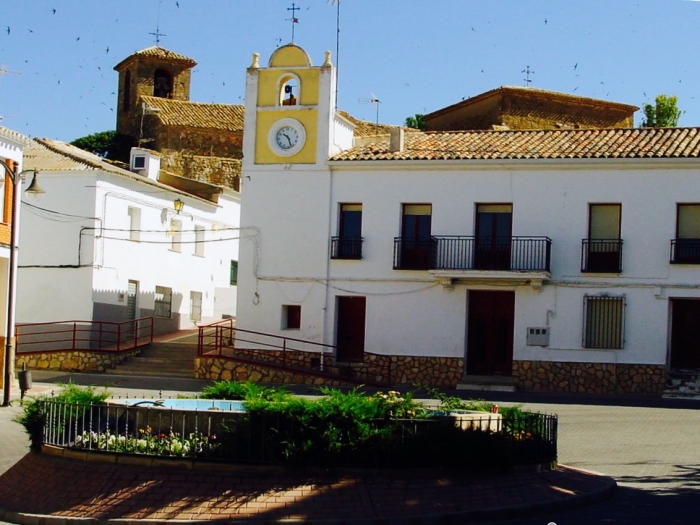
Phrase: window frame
[291,317]
[199,240]
[601,335]
[163,305]
[176,234]
[233,275]
[134,223]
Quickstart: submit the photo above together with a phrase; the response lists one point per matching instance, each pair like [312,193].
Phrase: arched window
[290,90]
[126,101]
[162,84]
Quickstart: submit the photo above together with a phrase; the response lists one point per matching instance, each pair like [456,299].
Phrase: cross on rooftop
[294,18]
[527,72]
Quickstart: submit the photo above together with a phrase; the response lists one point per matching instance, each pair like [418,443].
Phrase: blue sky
[415,56]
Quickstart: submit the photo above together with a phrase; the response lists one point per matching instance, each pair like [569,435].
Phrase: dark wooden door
[490,333]
[350,331]
[685,333]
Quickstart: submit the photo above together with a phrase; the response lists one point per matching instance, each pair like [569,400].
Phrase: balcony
[685,251]
[601,256]
[508,259]
[349,248]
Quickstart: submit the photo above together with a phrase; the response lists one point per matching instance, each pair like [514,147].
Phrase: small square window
[234,273]
[291,316]
[604,322]
[139,162]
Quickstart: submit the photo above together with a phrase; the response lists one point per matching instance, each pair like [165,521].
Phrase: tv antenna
[527,72]
[375,102]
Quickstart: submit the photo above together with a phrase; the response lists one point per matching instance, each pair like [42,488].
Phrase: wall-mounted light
[178,205]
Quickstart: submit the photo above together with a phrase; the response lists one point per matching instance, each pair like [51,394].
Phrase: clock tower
[290,110]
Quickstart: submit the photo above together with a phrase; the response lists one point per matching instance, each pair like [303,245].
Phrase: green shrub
[33,416]
[243,390]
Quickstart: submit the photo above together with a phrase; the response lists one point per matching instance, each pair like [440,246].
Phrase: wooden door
[350,329]
[685,333]
[490,333]
[195,306]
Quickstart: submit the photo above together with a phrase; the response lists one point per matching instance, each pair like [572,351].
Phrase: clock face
[287,137]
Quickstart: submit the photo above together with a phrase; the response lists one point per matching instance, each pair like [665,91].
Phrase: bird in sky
[53,11]
[8,30]
[575,66]
[177,4]
[545,21]
[107,50]
[77,39]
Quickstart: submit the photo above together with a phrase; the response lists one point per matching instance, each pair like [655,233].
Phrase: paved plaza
[651,448]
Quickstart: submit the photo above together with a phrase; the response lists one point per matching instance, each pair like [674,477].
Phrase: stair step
[487,383]
[160,360]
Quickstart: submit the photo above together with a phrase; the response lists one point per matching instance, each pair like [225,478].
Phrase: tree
[107,144]
[663,114]
[417,121]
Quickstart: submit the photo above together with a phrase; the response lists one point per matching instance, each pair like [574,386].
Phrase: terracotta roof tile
[537,144]
[197,114]
[157,53]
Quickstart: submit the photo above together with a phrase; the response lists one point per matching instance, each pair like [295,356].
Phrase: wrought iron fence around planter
[278,438]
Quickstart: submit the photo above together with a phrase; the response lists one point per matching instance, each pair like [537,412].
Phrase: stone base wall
[73,361]
[589,378]
[405,370]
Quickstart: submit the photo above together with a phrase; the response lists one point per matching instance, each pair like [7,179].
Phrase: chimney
[396,140]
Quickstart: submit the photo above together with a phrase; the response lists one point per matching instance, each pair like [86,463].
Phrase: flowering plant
[147,442]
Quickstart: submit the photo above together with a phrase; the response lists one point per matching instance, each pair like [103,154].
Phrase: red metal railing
[223,339]
[87,336]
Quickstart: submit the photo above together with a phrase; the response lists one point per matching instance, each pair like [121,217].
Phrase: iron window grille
[604,322]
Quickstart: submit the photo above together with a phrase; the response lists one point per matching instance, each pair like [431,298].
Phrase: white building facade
[108,244]
[562,260]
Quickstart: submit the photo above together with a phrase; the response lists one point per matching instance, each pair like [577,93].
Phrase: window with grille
[163,302]
[604,322]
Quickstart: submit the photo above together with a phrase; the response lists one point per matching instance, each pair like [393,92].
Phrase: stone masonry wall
[72,361]
[589,378]
[405,370]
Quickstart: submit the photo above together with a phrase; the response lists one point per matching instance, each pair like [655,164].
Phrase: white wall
[112,258]
[407,311]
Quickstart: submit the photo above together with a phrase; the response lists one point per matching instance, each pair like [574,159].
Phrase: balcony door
[350,232]
[350,328]
[687,246]
[604,238]
[493,236]
[415,236]
[490,333]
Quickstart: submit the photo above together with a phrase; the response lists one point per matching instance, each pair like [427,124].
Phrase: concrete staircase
[486,383]
[160,360]
[683,384]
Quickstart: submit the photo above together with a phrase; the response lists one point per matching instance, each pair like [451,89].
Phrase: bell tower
[290,110]
[155,72]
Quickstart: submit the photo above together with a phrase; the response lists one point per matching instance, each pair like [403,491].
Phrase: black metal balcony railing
[685,251]
[601,255]
[473,253]
[346,247]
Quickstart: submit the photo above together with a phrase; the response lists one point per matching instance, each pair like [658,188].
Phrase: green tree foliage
[417,121]
[107,144]
[663,114]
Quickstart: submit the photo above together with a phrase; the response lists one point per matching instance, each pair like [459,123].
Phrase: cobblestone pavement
[653,452]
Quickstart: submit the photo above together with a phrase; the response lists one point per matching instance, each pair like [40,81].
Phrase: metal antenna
[375,101]
[527,72]
[337,47]
[294,18]
[158,34]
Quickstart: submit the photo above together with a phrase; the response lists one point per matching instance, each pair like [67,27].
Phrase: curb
[608,489]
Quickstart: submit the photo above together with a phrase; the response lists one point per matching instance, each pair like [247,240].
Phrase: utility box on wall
[538,336]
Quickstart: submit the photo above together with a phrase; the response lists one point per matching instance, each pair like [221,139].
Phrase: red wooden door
[350,329]
[490,333]
[685,333]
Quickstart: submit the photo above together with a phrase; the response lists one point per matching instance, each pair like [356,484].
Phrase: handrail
[90,336]
[223,339]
